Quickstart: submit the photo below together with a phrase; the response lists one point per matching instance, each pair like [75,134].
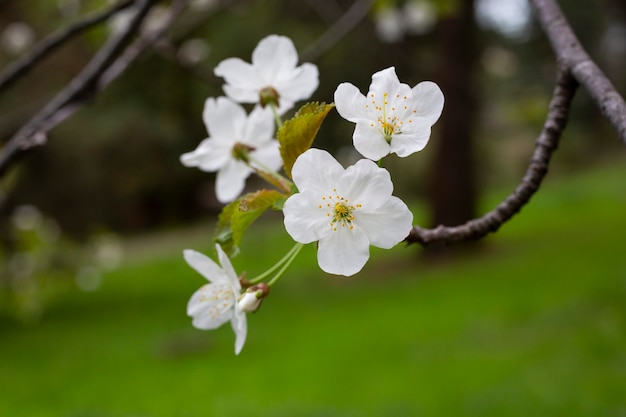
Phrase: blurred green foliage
[38,264]
[531,325]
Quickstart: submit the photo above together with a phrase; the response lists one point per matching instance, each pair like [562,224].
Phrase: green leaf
[236,217]
[297,134]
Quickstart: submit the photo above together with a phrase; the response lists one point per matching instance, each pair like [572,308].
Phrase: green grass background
[533,324]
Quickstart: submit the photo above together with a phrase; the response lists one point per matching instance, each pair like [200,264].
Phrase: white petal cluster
[345,210]
[274,65]
[229,126]
[393,117]
[216,303]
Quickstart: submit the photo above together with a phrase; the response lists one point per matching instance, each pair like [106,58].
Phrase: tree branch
[26,62]
[338,30]
[574,67]
[546,144]
[75,93]
[141,45]
[568,50]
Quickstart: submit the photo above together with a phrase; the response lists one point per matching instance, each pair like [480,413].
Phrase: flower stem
[270,175]
[287,259]
[294,252]
[279,121]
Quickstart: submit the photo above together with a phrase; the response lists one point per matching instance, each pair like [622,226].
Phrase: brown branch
[343,25]
[50,43]
[569,51]
[575,67]
[167,49]
[82,87]
[546,143]
[141,45]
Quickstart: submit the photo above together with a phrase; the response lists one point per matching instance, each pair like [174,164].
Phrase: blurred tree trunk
[452,187]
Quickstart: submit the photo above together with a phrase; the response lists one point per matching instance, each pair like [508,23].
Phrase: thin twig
[141,45]
[356,13]
[569,51]
[50,43]
[575,67]
[546,143]
[78,90]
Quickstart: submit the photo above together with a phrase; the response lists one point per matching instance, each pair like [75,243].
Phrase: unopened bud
[251,300]
[269,95]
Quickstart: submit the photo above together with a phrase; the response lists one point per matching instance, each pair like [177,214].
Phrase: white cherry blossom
[345,210]
[229,127]
[393,118]
[216,303]
[273,68]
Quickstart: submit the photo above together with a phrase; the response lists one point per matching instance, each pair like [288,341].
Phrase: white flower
[229,126]
[216,303]
[393,118]
[346,210]
[273,66]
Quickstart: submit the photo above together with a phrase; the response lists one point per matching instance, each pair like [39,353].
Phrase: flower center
[219,296]
[339,211]
[387,112]
[241,151]
[269,95]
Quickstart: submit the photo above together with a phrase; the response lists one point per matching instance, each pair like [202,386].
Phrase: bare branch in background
[575,67]
[141,45]
[327,10]
[75,94]
[355,14]
[167,49]
[50,43]
[569,51]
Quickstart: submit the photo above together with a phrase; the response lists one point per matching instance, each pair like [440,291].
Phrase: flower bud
[251,300]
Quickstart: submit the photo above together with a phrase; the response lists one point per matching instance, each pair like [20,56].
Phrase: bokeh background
[93,287]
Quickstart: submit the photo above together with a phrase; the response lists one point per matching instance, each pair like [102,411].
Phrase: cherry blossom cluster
[343,210]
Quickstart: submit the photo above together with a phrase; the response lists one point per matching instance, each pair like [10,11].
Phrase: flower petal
[231,180]
[366,184]
[206,267]
[317,171]
[258,128]
[428,101]
[242,80]
[223,118]
[343,252]
[388,225]
[304,220]
[350,103]
[211,306]
[227,266]
[210,155]
[269,155]
[274,57]
[369,141]
[301,84]
[239,323]
[408,143]
[384,81]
